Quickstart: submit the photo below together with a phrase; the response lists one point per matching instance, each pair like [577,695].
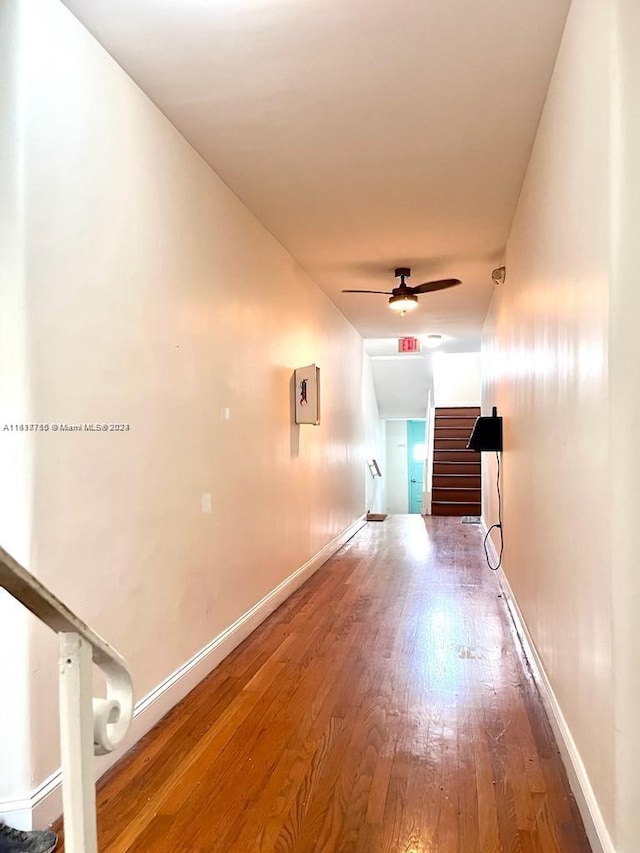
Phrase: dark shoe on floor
[16,841]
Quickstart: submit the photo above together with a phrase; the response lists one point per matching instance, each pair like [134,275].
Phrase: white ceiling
[364,134]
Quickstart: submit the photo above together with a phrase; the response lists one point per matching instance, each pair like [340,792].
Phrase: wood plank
[384,707]
[459,443]
[457,508]
[452,432]
[464,495]
[458,410]
[457,481]
[444,466]
[459,422]
[457,456]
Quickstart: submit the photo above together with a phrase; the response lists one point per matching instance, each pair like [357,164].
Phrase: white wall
[403,384]
[545,355]
[15,448]
[624,458]
[375,442]
[396,467]
[151,296]
[457,378]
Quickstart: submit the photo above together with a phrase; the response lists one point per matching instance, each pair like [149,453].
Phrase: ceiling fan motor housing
[402,272]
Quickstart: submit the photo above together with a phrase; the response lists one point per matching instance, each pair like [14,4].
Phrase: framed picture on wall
[307,391]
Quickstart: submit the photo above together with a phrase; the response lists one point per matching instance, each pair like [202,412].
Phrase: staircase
[456,470]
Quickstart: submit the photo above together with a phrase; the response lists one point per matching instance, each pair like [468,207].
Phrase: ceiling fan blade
[430,286]
[386,292]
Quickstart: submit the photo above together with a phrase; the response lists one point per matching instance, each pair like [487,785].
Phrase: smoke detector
[499,274]
[432,341]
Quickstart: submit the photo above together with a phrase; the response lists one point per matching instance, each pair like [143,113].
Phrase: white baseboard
[44,805]
[594,823]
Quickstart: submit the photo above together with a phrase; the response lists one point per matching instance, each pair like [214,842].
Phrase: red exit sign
[408,345]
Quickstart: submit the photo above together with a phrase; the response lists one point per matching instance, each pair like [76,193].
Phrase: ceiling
[364,134]
[402,381]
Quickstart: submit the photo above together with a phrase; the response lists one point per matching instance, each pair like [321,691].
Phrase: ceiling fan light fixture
[405,298]
[403,302]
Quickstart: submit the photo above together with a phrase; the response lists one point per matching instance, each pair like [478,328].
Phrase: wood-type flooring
[384,708]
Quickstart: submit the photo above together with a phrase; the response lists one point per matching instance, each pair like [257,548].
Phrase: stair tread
[457,408]
[457,489]
[460,475]
[455,503]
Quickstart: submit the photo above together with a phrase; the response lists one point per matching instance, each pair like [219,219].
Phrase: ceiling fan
[404,297]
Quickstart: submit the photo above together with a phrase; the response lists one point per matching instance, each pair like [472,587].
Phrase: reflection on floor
[384,707]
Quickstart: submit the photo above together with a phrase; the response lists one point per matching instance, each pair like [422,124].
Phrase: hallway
[383,707]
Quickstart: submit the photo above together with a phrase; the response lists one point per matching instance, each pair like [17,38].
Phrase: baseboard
[44,805]
[39,809]
[594,823]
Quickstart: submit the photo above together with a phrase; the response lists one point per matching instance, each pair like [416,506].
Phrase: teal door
[416,454]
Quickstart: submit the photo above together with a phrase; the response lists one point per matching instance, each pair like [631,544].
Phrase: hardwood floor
[384,707]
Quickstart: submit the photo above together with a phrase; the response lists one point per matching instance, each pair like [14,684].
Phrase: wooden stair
[456,470]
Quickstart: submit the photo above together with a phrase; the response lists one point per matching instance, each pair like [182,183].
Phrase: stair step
[456,456]
[456,481]
[460,423]
[456,509]
[450,443]
[456,495]
[452,432]
[448,467]
[458,410]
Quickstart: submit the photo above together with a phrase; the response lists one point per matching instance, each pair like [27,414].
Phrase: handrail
[87,727]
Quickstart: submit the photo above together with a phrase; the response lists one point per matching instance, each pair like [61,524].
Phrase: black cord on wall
[497,526]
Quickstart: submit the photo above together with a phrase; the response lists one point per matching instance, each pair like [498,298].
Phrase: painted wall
[404,390]
[146,294]
[375,442]
[457,378]
[403,384]
[624,356]
[545,353]
[396,467]
[15,454]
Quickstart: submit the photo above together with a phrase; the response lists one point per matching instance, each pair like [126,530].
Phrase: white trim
[594,823]
[44,805]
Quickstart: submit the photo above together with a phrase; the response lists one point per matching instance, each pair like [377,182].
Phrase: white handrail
[88,726]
